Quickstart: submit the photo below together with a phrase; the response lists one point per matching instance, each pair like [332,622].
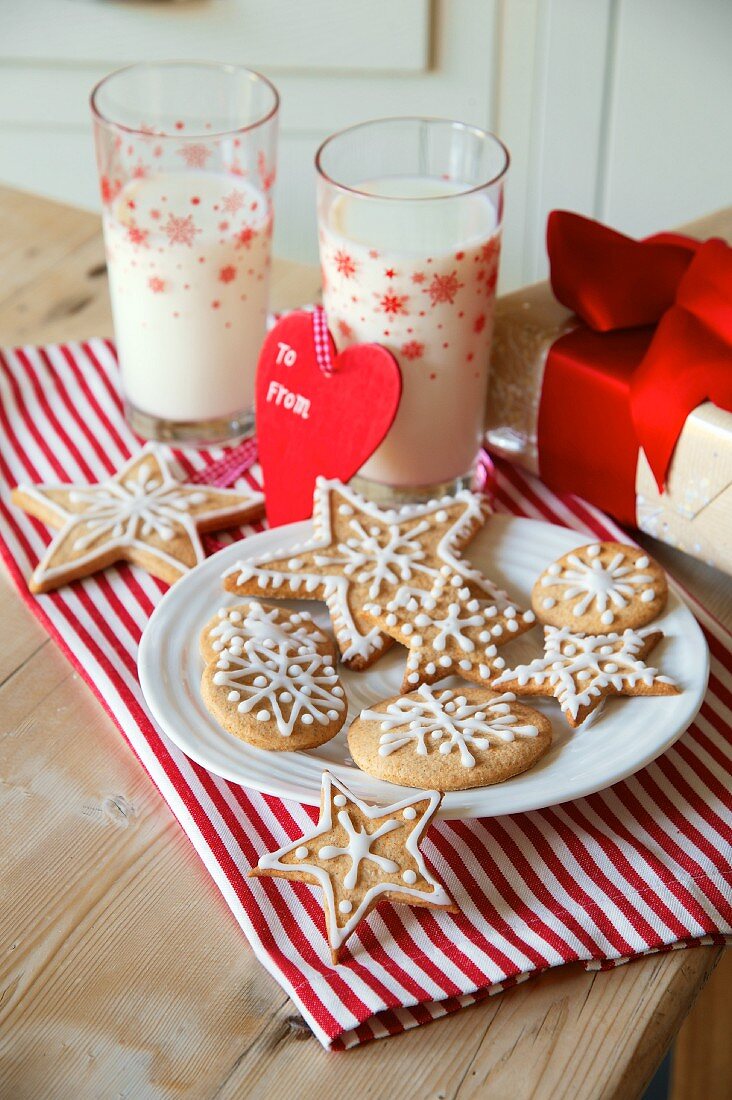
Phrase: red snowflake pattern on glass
[227,274]
[344,329]
[245,237]
[233,202]
[413,349]
[196,155]
[344,264]
[266,175]
[109,188]
[393,304]
[479,323]
[136,235]
[489,251]
[443,288]
[181,230]
[156,284]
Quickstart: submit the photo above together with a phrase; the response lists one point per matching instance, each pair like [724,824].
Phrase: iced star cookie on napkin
[450,740]
[581,670]
[142,514]
[599,586]
[361,553]
[360,855]
[270,678]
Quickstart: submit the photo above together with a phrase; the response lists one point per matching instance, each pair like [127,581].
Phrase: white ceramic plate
[625,735]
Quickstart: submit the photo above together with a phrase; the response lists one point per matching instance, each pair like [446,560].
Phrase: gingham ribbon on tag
[322,341]
[641,867]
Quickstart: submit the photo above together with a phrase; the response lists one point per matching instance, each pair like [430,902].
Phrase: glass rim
[455,123]
[222,66]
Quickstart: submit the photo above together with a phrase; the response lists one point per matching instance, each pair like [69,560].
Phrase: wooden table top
[122,971]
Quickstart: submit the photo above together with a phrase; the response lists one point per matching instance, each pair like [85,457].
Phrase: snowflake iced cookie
[261,620]
[449,631]
[450,740]
[141,515]
[361,553]
[580,670]
[601,586]
[272,682]
[360,855]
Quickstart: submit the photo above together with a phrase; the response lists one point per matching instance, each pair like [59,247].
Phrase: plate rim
[155,702]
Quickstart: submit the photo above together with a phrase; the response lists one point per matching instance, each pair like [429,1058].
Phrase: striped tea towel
[640,867]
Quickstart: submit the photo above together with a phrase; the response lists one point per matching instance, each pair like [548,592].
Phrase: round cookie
[253,619]
[449,740]
[601,586]
[276,694]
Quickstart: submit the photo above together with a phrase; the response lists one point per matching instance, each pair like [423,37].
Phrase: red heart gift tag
[318,412]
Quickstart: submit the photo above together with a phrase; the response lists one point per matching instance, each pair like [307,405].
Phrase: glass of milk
[409,217]
[186,155]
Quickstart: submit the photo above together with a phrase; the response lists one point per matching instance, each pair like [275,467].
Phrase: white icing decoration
[299,687]
[339,932]
[302,852]
[380,554]
[358,848]
[569,657]
[261,622]
[609,587]
[449,719]
[409,876]
[140,503]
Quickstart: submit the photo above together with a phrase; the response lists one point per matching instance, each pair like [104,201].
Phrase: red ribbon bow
[655,341]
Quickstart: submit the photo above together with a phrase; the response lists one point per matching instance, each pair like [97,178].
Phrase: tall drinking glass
[186,155]
[409,216]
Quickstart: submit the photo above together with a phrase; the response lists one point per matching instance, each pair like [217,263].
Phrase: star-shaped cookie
[141,515]
[580,670]
[360,855]
[449,631]
[361,553]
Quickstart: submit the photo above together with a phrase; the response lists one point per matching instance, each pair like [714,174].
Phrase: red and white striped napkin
[641,867]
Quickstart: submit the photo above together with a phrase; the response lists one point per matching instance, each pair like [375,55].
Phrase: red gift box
[624,396]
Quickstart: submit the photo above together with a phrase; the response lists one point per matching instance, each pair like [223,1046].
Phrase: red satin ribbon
[653,342]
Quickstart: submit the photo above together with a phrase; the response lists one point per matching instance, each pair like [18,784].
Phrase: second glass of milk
[186,156]
[409,216]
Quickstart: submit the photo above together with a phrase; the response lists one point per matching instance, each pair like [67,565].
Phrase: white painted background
[617,108]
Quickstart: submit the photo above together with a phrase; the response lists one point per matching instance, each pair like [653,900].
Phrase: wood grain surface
[122,971]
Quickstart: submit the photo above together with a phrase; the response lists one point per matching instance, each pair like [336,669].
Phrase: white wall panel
[669,139]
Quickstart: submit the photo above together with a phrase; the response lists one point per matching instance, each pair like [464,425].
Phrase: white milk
[418,277]
[188,257]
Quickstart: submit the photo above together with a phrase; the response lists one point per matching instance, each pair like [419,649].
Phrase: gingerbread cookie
[273,683]
[581,670]
[450,740]
[361,553]
[361,855]
[601,585]
[141,515]
[261,620]
[449,631]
